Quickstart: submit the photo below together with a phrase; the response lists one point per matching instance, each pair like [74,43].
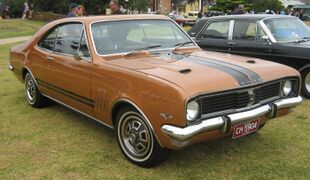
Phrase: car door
[215,36]
[67,75]
[39,61]
[248,39]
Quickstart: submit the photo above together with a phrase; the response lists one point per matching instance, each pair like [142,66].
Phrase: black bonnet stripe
[254,76]
[242,78]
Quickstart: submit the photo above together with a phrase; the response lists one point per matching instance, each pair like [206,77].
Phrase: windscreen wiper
[303,39]
[144,48]
[182,44]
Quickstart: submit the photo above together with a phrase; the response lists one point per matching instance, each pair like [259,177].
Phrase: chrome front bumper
[181,137]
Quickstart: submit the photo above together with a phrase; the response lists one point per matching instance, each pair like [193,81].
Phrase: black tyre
[136,139]
[305,87]
[33,95]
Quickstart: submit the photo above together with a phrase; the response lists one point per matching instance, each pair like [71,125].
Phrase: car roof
[89,19]
[251,16]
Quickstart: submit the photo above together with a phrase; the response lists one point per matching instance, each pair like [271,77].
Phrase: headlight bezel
[287,87]
[193,104]
[294,88]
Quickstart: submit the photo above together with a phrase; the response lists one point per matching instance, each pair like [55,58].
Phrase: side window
[83,46]
[48,40]
[217,30]
[244,30]
[260,34]
[68,38]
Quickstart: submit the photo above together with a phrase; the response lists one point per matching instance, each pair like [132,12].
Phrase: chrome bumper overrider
[181,136]
[11,68]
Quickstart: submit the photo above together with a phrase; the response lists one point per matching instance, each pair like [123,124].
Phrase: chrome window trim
[209,22]
[256,21]
[124,53]
[266,30]
[90,59]
[70,107]
[144,116]
[231,30]
[198,35]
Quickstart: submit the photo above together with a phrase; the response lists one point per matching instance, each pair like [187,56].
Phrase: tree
[62,6]
[230,5]
[263,5]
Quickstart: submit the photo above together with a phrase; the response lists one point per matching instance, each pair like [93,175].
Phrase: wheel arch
[123,102]
[304,68]
[26,70]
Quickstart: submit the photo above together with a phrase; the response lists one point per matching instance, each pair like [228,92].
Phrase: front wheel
[136,139]
[33,95]
[305,75]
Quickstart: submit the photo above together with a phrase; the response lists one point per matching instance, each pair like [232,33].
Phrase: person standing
[81,11]
[73,10]
[26,10]
[30,11]
[115,7]
[239,10]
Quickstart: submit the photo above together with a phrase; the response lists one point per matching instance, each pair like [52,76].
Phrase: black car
[279,38]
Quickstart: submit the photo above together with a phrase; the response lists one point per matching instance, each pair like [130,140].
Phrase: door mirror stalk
[78,55]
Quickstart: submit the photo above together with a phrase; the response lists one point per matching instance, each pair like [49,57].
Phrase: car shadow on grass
[211,151]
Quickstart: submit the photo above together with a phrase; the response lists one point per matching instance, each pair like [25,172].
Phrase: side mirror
[77,55]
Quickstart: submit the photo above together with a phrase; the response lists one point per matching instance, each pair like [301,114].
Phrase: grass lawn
[307,22]
[55,142]
[18,27]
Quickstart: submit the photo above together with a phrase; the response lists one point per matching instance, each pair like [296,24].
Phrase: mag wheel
[33,95]
[136,139]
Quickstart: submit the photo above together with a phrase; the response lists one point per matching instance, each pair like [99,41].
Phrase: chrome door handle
[49,58]
[231,44]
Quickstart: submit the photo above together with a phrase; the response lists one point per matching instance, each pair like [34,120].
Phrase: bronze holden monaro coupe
[143,76]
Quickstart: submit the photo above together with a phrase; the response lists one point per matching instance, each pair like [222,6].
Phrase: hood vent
[185,71]
[251,61]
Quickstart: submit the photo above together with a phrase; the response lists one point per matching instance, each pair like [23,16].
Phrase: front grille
[239,99]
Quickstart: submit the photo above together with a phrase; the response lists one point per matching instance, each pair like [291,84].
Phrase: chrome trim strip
[79,112]
[144,116]
[90,59]
[31,75]
[266,30]
[231,30]
[181,137]
[124,53]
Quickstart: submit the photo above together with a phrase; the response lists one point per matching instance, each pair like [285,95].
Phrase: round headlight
[287,88]
[192,111]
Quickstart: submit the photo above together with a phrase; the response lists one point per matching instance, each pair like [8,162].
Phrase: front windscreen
[288,30]
[129,35]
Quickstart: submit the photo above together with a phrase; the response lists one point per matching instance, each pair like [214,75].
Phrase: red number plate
[246,128]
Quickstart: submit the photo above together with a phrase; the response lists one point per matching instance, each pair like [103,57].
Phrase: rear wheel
[136,139]
[305,75]
[33,95]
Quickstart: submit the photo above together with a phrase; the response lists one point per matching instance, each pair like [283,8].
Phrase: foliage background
[61,6]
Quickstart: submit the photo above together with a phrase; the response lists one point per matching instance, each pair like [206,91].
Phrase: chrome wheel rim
[135,137]
[30,89]
[307,82]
